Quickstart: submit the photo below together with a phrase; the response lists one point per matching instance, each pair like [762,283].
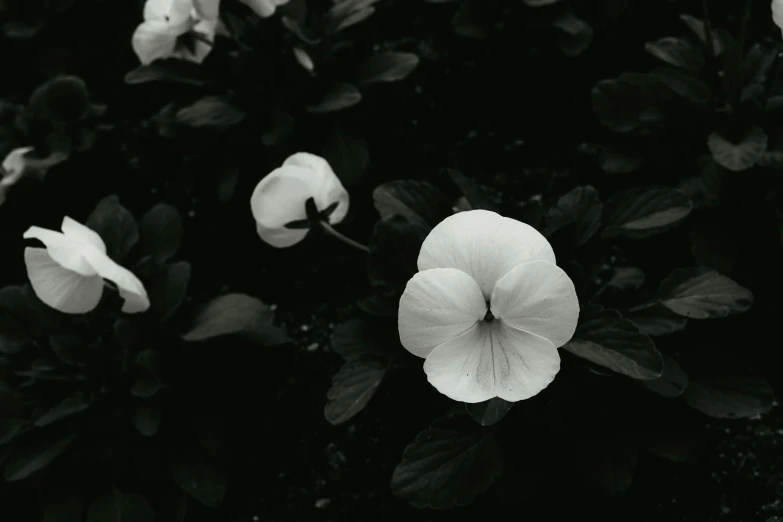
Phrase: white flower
[173,29]
[264,8]
[777,13]
[14,166]
[488,308]
[279,199]
[68,274]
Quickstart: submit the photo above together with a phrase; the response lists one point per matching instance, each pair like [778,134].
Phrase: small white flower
[68,274]
[279,199]
[264,8]
[777,13]
[173,29]
[488,308]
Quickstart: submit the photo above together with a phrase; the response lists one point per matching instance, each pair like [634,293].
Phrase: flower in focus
[487,309]
[777,13]
[279,201]
[69,273]
[264,8]
[13,168]
[173,29]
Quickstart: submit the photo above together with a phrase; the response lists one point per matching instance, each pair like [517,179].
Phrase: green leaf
[740,155]
[387,66]
[167,288]
[672,383]
[148,380]
[357,337]
[212,112]
[198,476]
[347,153]
[702,293]
[69,406]
[352,388]
[574,34]
[116,226]
[147,417]
[489,412]
[643,211]
[394,251]
[582,207]
[116,506]
[677,52]
[683,84]
[347,13]
[657,320]
[626,278]
[339,97]
[10,428]
[447,467]
[36,452]
[161,232]
[472,191]
[608,340]
[172,71]
[236,314]
[624,103]
[419,202]
[739,392]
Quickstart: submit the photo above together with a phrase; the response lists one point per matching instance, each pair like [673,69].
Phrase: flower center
[488,317]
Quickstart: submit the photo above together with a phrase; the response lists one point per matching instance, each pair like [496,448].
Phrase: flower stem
[347,240]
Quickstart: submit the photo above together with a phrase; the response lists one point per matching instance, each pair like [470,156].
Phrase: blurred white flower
[69,273]
[173,29]
[777,13]
[488,308]
[304,59]
[14,166]
[279,199]
[264,8]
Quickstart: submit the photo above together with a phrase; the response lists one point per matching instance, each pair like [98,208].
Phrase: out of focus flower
[488,309]
[777,13]
[69,273]
[13,169]
[173,29]
[279,200]
[264,8]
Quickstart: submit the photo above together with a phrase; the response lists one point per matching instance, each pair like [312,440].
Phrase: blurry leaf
[198,476]
[623,103]
[387,66]
[697,26]
[63,505]
[657,320]
[608,340]
[69,349]
[11,343]
[116,226]
[167,288]
[282,127]
[739,392]
[574,34]
[615,161]
[339,97]
[347,153]
[394,251]
[173,71]
[69,406]
[489,412]
[643,211]
[705,190]
[683,84]
[347,13]
[626,278]
[741,155]
[147,418]
[417,201]
[672,383]
[677,52]
[148,380]
[472,191]
[63,99]
[702,293]
[10,428]
[468,21]
[212,112]
[236,313]
[161,232]
[581,206]
[357,337]
[116,506]
[758,62]
[352,388]
[772,159]
[35,452]
[383,303]
[446,467]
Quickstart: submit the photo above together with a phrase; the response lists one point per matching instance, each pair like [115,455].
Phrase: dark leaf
[608,340]
[347,13]
[608,464]
[581,206]
[352,388]
[677,52]
[643,211]
[357,337]
[574,34]
[683,84]
[347,153]
[161,232]
[116,226]
[472,191]
[421,203]
[69,349]
[489,412]
[626,278]
[702,293]
[468,21]
[383,303]
[624,103]
[213,112]
[236,313]
[116,506]
[385,67]
[672,383]
[738,392]
[35,452]
[339,97]
[656,320]
[741,155]
[63,505]
[11,343]
[167,288]
[394,251]
[69,406]
[147,417]
[198,476]
[148,379]
[10,428]
[173,71]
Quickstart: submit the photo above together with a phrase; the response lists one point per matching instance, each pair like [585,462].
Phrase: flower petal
[281,237]
[128,285]
[73,229]
[492,360]
[152,40]
[67,252]
[437,306]
[208,9]
[280,197]
[538,297]
[483,244]
[327,188]
[59,287]
[263,8]
[174,12]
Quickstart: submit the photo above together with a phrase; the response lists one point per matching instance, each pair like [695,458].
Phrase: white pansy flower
[68,274]
[280,198]
[488,308]
[777,13]
[173,29]
[264,8]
